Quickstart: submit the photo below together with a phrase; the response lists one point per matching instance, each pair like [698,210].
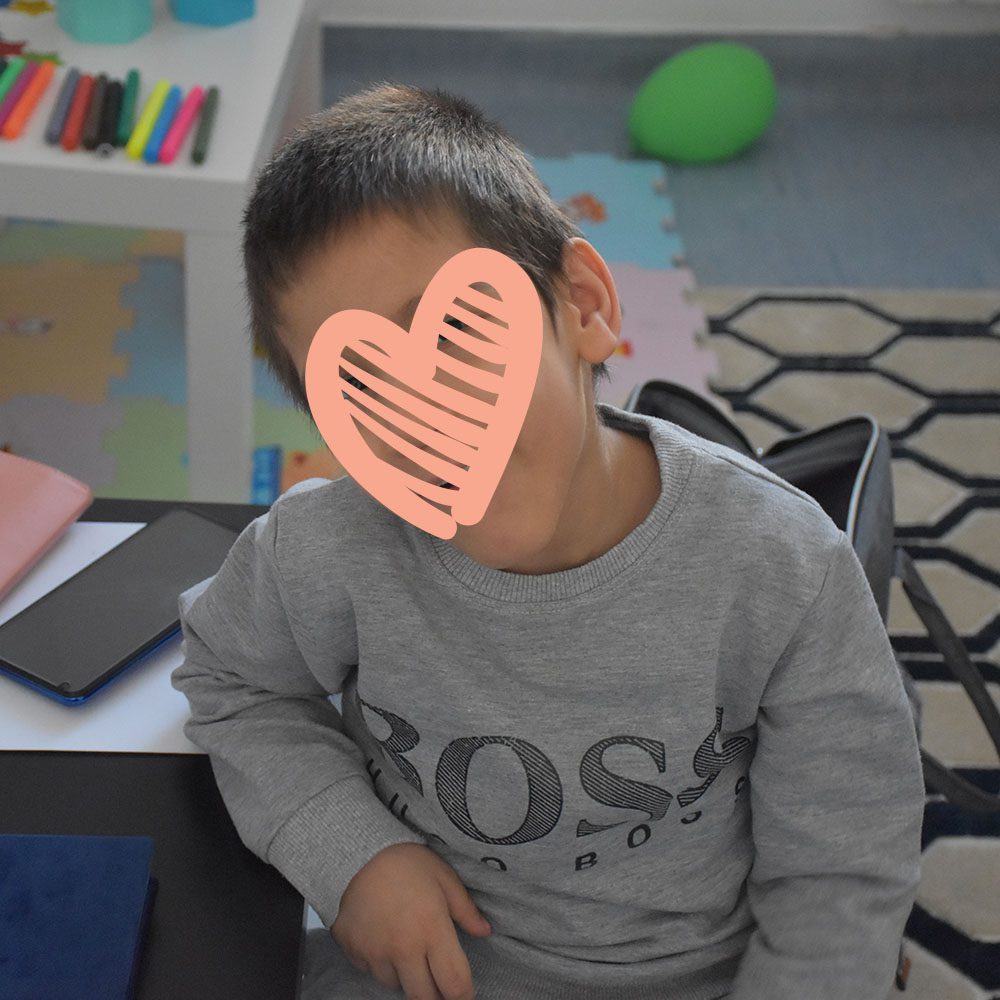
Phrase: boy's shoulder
[738,499]
[327,529]
[335,506]
[740,471]
[721,465]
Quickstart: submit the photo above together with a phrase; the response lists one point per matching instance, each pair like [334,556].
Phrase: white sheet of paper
[138,712]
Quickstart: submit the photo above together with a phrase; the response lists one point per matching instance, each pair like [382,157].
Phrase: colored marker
[163,122]
[21,115]
[204,134]
[144,126]
[57,121]
[182,124]
[21,84]
[93,120]
[127,119]
[3,64]
[10,74]
[77,112]
[107,130]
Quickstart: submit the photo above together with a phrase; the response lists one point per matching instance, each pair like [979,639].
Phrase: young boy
[638,733]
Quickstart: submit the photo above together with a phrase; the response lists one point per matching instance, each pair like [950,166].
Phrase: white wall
[680,16]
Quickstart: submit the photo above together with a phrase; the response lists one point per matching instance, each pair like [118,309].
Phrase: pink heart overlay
[476,437]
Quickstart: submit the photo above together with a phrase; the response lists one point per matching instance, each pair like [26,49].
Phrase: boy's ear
[596,311]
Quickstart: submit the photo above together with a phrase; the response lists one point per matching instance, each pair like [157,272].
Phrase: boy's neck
[623,489]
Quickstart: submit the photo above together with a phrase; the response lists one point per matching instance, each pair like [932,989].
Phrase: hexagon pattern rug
[926,365]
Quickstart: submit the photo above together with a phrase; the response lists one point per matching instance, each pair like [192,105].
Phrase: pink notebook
[37,504]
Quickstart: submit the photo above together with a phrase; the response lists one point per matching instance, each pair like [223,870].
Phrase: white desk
[267,69]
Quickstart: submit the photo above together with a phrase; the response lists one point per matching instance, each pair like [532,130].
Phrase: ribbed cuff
[331,838]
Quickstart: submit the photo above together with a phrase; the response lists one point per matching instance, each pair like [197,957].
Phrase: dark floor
[881,168]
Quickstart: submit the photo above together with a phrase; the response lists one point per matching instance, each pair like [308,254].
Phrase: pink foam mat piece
[659,327]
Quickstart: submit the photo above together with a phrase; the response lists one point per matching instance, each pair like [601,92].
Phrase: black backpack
[846,467]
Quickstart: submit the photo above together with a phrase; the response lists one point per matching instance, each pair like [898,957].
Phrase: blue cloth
[72,915]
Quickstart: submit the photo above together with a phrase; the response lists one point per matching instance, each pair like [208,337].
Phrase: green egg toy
[704,104]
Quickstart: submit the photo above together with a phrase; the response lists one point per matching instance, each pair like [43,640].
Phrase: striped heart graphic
[456,436]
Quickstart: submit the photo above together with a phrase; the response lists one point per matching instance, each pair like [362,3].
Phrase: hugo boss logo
[545,796]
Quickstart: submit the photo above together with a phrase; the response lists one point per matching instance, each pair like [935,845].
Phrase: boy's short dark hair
[397,147]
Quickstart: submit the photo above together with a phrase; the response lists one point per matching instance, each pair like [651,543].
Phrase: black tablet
[77,638]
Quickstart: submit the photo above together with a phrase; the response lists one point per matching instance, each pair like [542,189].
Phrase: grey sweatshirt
[683,770]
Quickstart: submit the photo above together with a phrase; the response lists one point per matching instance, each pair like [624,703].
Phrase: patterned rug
[926,365]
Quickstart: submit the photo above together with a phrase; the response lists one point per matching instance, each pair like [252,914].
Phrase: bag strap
[960,792]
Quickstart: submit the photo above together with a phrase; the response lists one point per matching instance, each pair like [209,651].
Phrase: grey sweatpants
[329,975]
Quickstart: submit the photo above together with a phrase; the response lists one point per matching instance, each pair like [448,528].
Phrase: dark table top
[224,924]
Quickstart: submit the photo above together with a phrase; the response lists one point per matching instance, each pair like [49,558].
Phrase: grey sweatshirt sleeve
[837,802]
[293,782]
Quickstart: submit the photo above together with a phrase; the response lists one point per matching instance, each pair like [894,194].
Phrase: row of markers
[99,114]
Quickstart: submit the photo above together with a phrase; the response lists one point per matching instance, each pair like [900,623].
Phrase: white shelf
[267,71]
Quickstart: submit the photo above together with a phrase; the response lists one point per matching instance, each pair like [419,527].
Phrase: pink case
[37,504]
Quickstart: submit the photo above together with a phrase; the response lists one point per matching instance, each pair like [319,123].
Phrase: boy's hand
[395,921]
